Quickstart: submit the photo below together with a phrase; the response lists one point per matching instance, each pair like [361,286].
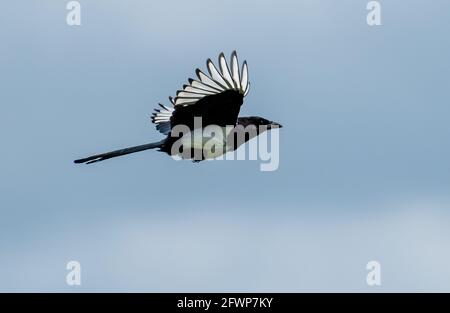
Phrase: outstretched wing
[216,97]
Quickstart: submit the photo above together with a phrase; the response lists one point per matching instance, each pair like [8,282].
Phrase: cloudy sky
[364,154]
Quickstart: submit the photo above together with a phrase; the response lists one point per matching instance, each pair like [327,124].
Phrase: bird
[209,102]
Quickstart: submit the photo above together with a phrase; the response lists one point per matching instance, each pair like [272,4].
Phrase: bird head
[258,121]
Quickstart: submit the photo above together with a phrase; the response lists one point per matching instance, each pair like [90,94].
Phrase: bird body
[198,144]
[203,121]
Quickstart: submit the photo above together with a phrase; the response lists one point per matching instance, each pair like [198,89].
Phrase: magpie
[214,100]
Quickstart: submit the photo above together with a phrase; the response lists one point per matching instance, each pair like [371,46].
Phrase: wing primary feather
[235,70]
[247,89]
[187,94]
[215,75]
[244,78]
[208,81]
[197,90]
[185,101]
[198,84]
[225,71]
[165,108]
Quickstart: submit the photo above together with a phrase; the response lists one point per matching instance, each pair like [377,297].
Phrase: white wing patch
[219,80]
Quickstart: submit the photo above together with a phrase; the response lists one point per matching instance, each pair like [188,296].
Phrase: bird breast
[211,139]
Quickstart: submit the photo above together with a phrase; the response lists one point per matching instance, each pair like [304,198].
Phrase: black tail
[116,153]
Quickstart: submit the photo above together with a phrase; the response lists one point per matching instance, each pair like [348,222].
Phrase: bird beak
[275,125]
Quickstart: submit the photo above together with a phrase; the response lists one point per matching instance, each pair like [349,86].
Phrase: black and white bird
[216,99]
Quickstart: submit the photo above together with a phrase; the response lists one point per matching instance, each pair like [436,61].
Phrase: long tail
[116,153]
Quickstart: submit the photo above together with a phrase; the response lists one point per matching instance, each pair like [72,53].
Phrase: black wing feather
[220,109]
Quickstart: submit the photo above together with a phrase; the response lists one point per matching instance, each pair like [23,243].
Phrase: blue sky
[363,175]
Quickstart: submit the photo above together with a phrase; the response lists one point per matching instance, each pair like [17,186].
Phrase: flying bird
[213,99]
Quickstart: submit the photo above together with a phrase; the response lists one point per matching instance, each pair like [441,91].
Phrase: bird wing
[216,97]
